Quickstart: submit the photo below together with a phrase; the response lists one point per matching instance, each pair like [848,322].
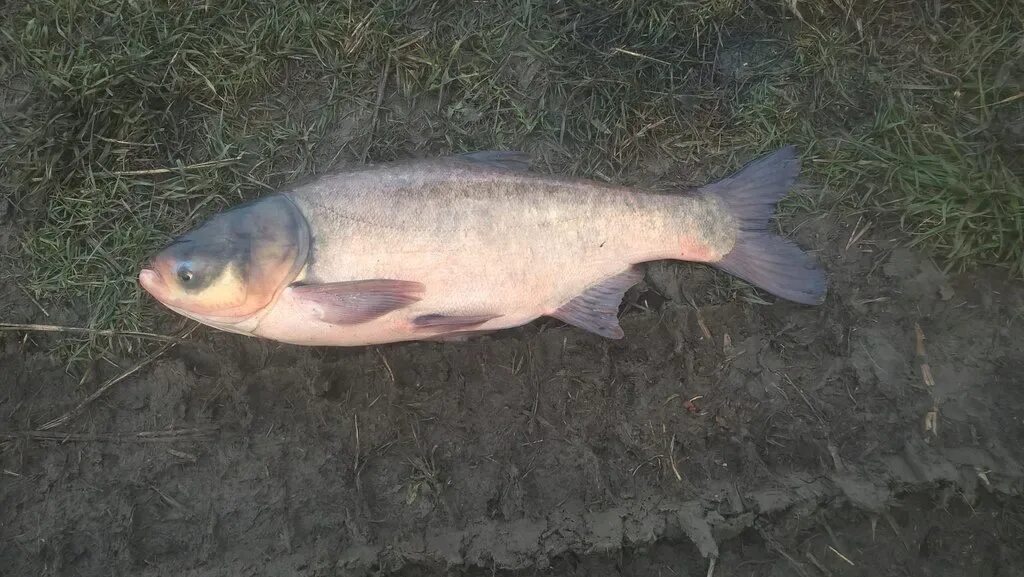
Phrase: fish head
[232,266]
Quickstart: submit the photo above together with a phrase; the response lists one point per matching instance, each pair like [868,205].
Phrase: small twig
[700,318]
[355,462]
[672,458]
[138,437]
[645,463]
[841,556]
[796,564]
[806,400]
[777,547]
[152,171]
[387,366]
[896,529]
[104,388]
[45,312]
[359,460]
[857,234]
[87,331]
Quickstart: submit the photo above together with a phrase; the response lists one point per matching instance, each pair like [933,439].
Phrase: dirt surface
[545,450]
[880,434]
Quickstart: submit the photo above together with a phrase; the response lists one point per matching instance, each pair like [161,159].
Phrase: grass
[912,114]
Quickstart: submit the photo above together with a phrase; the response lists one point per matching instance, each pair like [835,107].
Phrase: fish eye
[185,274]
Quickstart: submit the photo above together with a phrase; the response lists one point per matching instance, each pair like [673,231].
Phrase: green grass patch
[130,121]
[938,138]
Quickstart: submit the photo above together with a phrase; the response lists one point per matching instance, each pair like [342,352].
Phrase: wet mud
[767,439]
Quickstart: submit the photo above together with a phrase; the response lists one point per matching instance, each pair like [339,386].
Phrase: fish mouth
[151,280]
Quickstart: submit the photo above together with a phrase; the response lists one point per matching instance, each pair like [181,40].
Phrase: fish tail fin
[761,257]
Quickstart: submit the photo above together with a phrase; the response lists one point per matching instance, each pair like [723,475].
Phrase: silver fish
[450,247]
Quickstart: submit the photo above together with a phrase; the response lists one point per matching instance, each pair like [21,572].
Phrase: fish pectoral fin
[356,302]
[596,309]
[500,159]
[451,323]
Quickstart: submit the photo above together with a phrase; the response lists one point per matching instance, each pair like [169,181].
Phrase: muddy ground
[805,449]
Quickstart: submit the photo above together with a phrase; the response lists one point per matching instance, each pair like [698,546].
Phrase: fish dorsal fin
[356,302]
[501,159]
[597,308]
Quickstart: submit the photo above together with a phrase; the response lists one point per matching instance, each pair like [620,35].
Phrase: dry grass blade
[841,556]
[356,463]
[711,566]
[926,369]
[155,171]
[774,545]
[391,374]
[638,55]
[63,419]
[700,317]
[672,458]
[858,233]
[87,331]
[1006,100]
[376,108]
[814,561]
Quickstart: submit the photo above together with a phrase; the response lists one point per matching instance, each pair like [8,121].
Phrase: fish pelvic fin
[759,256]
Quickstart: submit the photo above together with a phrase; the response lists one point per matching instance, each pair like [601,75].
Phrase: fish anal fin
[597,308]
[356,302]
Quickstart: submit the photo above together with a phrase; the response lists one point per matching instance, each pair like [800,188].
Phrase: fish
[450,247]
